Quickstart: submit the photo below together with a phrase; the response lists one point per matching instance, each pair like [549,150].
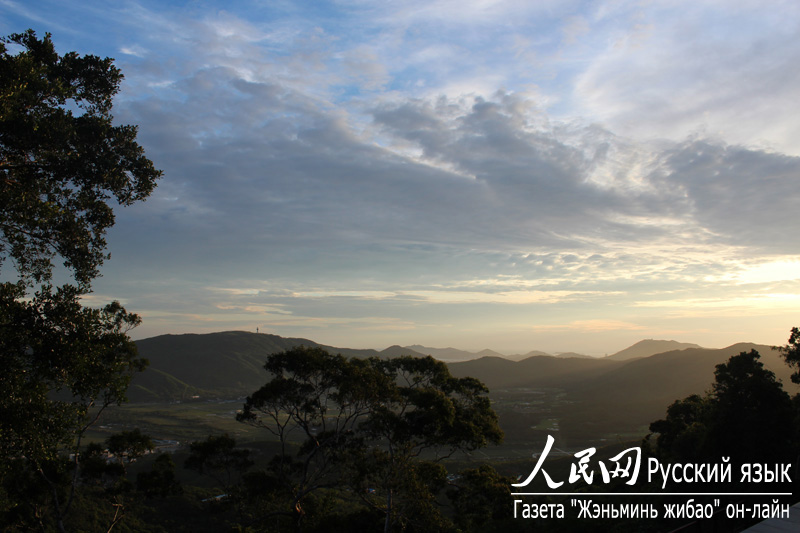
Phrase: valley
[196,383]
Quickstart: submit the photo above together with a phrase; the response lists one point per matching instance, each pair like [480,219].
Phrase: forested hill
[230,365]
[643,386]
[673,372]
[216,365]
[649,347]
[603,393]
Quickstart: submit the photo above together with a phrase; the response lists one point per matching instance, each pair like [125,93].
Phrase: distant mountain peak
[396,351]
[443,354]
[573,355]
[648,347]
[489,353]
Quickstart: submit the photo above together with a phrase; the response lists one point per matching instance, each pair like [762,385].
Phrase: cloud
[744,196]
[134,50]
[731,306]
[704,67]
[276,177]
[260,169]
[770,272]
[504,297]
[347,162]
[589,326]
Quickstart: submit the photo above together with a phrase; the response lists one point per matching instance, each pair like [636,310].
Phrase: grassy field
[183,422]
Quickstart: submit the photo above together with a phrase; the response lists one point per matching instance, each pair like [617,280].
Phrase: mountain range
[454,354]
[218,365]
[649,347]
[230,364]
[589,396]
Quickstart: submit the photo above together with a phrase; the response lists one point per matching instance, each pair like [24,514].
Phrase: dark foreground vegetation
[341,443]
[375,445]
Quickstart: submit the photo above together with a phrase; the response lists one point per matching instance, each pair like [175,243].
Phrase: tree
[218,457]
[362,427]
[424,410]
[63,166]
[746,416]
[753,415]
[683,434]
[160,481]
[59,359]
[791,353]
[127,446]
[62,365]
[315,399]
[480,498]
[61,158]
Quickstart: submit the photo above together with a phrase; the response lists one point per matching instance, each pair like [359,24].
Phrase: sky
[551,175]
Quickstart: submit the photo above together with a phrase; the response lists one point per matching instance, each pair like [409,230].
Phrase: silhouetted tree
[128,446]
[746,416]
[219,458]
[480,499]
[684,433]
[63,166]
[61,158]
[752,417]
[160,481]
[791,353]
[363,424]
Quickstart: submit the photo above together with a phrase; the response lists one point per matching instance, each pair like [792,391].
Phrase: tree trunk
[388,521]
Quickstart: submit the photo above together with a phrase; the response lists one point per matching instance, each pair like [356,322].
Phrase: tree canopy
[374,430]
[62,160]
[791,353]
[64,167]
[746,416]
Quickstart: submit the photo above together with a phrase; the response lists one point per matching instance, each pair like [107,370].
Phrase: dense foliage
[747,416]
[791,352]
[63,168]
[373,430]
[62,160]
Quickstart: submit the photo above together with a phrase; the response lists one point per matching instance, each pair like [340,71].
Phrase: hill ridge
[230,365]
[648,347]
